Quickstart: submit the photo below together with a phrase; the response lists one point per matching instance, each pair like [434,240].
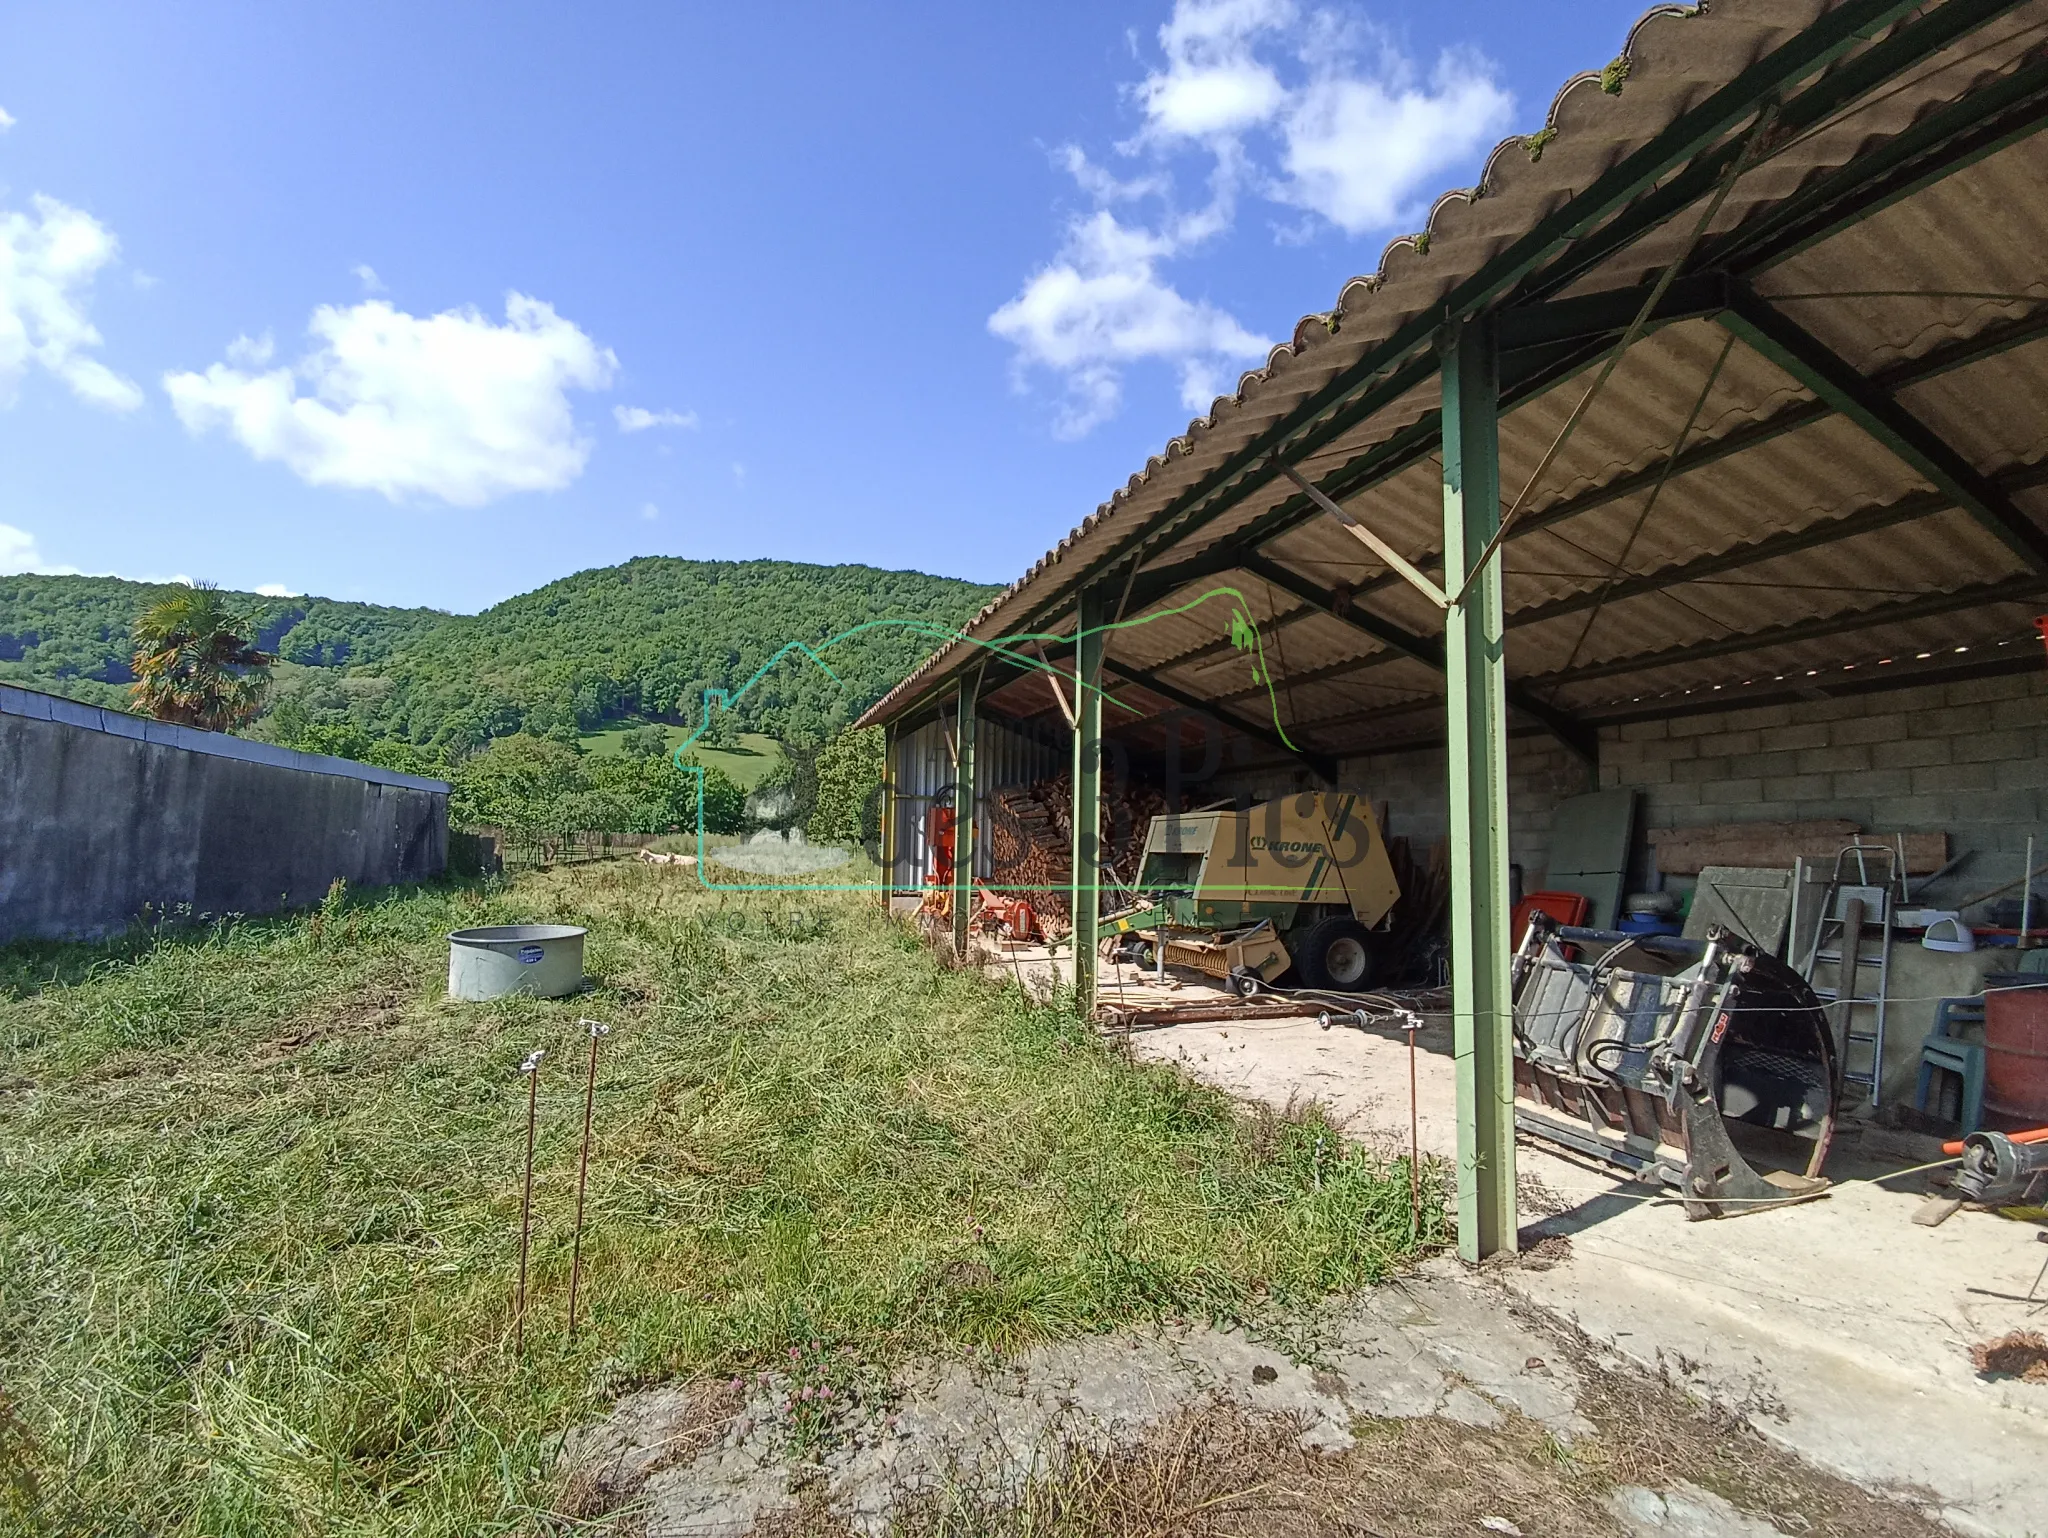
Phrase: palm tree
[194,665]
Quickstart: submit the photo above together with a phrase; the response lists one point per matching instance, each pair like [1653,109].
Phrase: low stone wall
[103,813]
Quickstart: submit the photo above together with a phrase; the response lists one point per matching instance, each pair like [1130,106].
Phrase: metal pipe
[1411,1025]
[2027,893]
[531,1068]
[596,1030]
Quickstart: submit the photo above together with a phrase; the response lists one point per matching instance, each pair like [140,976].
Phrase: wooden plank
[1688,851]
[1828,827]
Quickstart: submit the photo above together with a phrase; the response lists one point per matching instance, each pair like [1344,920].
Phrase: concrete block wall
[1969,759]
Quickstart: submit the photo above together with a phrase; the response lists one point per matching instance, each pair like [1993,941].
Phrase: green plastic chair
[1945,1050]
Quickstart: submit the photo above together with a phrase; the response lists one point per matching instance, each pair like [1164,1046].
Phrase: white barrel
[541,960]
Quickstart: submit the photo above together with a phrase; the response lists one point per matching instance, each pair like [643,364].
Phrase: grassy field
[747,765]
[260,1191]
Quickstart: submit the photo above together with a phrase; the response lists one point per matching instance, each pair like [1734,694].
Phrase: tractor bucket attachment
[1640,1050]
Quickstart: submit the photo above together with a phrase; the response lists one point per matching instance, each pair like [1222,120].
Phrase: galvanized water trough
[541,960]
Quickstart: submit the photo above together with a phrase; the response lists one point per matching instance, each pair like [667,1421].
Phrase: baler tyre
[1337,954]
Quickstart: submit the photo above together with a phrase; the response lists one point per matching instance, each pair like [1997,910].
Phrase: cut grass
[260,1189]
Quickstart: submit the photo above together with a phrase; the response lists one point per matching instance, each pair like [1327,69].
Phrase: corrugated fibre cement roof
[1820,462]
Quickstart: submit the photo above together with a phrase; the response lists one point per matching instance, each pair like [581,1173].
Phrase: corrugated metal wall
[922,778]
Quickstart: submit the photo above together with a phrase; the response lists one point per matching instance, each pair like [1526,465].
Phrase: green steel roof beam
[1987,343]
[1830,686]
[1807,360]
[1869,520]
[1989,119]
[1531,372]
[1919,504]
[2022,589]
[1877,66]
[1323,764]
[1591,317]
[1428,650]
[1946,358]
[1956,137]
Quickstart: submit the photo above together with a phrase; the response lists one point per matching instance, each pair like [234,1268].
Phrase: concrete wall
[104,812]
[1968,759]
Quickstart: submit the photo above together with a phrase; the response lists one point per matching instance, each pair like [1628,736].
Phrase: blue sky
[433,303]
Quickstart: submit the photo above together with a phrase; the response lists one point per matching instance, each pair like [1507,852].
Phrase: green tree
[725,804]
[848,773]
[195,662]
[721,727]
[644,742]
[352,742]
[523,784]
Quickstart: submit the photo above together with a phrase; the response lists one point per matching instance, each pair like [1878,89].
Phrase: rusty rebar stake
[596,1030]
[1411,1025]
[531,1068]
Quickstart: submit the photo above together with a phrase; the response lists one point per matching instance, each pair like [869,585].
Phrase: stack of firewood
[1031,840]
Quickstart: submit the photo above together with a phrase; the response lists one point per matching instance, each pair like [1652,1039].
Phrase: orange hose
[2037,1135]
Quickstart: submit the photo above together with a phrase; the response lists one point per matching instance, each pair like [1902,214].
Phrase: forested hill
[642,639]
[648,637]
[69,635]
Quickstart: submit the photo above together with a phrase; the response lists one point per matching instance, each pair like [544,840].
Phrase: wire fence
[521,850]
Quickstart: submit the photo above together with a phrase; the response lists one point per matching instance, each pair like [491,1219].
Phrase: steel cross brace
[1802,355]
[1427,650]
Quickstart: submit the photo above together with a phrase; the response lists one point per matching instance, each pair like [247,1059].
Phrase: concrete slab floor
[1423,1407]
[1838,1328]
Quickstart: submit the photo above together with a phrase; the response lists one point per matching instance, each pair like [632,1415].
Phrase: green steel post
[887,874]
[1476,676]
[964,808]
[1086,889]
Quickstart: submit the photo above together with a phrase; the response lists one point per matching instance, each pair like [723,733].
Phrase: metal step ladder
[1863,891]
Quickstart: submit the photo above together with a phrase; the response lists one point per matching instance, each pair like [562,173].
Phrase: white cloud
[637,419]
[1213,82]
[48,261]
[276,590]
[649,511]
[18,553]
[452,406]
[1310,109]
[367,276]
[1359,150]
[6,120]
[1103,306]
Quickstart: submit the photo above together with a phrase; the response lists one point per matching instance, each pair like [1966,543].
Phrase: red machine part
[1568,908]
[938,837]
[1010,917]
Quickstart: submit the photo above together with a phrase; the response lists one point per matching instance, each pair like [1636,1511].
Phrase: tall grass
[260,1182]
